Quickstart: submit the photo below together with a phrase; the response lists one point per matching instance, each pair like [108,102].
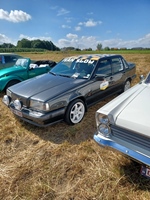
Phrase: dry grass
[63,162]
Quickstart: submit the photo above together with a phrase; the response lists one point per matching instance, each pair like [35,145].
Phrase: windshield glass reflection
[75,68]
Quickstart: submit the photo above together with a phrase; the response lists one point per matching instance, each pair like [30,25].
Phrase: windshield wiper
[52,73]
[64,75]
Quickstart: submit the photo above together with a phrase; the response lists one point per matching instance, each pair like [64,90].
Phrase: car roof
[98,56]
[8,54]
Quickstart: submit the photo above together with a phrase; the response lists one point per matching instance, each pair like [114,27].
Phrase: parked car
[69,89]
[23,69]
[123,124]
[8,59]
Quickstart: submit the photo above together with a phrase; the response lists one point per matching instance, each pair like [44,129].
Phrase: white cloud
[71,36]
[34,38]
[77,28]
[4,39]
[119,43]
[62,11]
[74,41]
[91,42]
[14,16]
[65,26]
[90,23]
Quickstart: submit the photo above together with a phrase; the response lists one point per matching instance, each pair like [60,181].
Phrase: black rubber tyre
[75,112]
[127,85]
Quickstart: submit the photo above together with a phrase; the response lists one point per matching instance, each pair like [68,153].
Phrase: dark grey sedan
[69,89]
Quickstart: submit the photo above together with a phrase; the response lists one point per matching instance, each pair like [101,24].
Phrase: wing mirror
[100,77]
[141,78]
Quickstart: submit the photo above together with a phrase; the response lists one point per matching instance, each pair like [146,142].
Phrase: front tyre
[127,85]
[75,112]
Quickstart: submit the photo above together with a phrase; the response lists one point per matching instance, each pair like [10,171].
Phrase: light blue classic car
[123,124]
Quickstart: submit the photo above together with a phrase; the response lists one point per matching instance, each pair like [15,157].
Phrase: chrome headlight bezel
[104,130]
[39,106]
[103,124]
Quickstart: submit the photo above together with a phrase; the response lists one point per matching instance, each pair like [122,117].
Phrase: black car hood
[45,86]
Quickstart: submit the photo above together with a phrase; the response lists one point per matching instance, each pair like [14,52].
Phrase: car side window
[104,67]
[9,59]
[125,64]
[117,65]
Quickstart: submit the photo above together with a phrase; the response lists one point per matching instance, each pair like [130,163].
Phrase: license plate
[16,112]
[145,171]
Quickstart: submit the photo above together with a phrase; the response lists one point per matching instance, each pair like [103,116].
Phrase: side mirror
[141,78]
[100,77]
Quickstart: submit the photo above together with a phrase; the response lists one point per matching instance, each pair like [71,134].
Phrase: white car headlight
[17,104]
[103,124]
[104,129]
[101,118]
[37,105]
[6,100]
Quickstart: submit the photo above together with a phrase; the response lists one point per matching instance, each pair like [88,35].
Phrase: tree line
[31,44]
[37,45]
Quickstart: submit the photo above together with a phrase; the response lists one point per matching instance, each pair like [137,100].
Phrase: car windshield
[75,67]
[22,62]
[147,80]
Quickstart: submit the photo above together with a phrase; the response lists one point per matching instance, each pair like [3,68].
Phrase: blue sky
[77,23]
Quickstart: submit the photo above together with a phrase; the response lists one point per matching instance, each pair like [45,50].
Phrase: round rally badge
[104,85]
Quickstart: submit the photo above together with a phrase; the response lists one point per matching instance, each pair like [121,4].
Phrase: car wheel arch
[79,98]
[10,83]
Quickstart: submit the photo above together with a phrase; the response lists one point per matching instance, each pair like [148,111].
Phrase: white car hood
[136,114]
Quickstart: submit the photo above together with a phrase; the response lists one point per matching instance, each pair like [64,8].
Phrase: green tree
[24,43]
[99,46]
[107,48]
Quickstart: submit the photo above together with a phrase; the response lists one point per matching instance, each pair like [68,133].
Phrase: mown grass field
[62,162]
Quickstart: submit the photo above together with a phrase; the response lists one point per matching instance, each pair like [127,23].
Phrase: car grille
[131,137]
[24,100]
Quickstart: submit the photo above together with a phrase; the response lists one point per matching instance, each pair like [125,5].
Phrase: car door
[99,87]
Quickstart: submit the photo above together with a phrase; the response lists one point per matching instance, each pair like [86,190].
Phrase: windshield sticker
[69,59]
[104,85]
[75,75]
[84,59]
[95,58]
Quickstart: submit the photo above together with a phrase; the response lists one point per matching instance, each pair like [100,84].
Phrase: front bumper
[38,119]
[135,155]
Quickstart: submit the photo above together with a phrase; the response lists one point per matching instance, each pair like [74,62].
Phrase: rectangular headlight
[37,105]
